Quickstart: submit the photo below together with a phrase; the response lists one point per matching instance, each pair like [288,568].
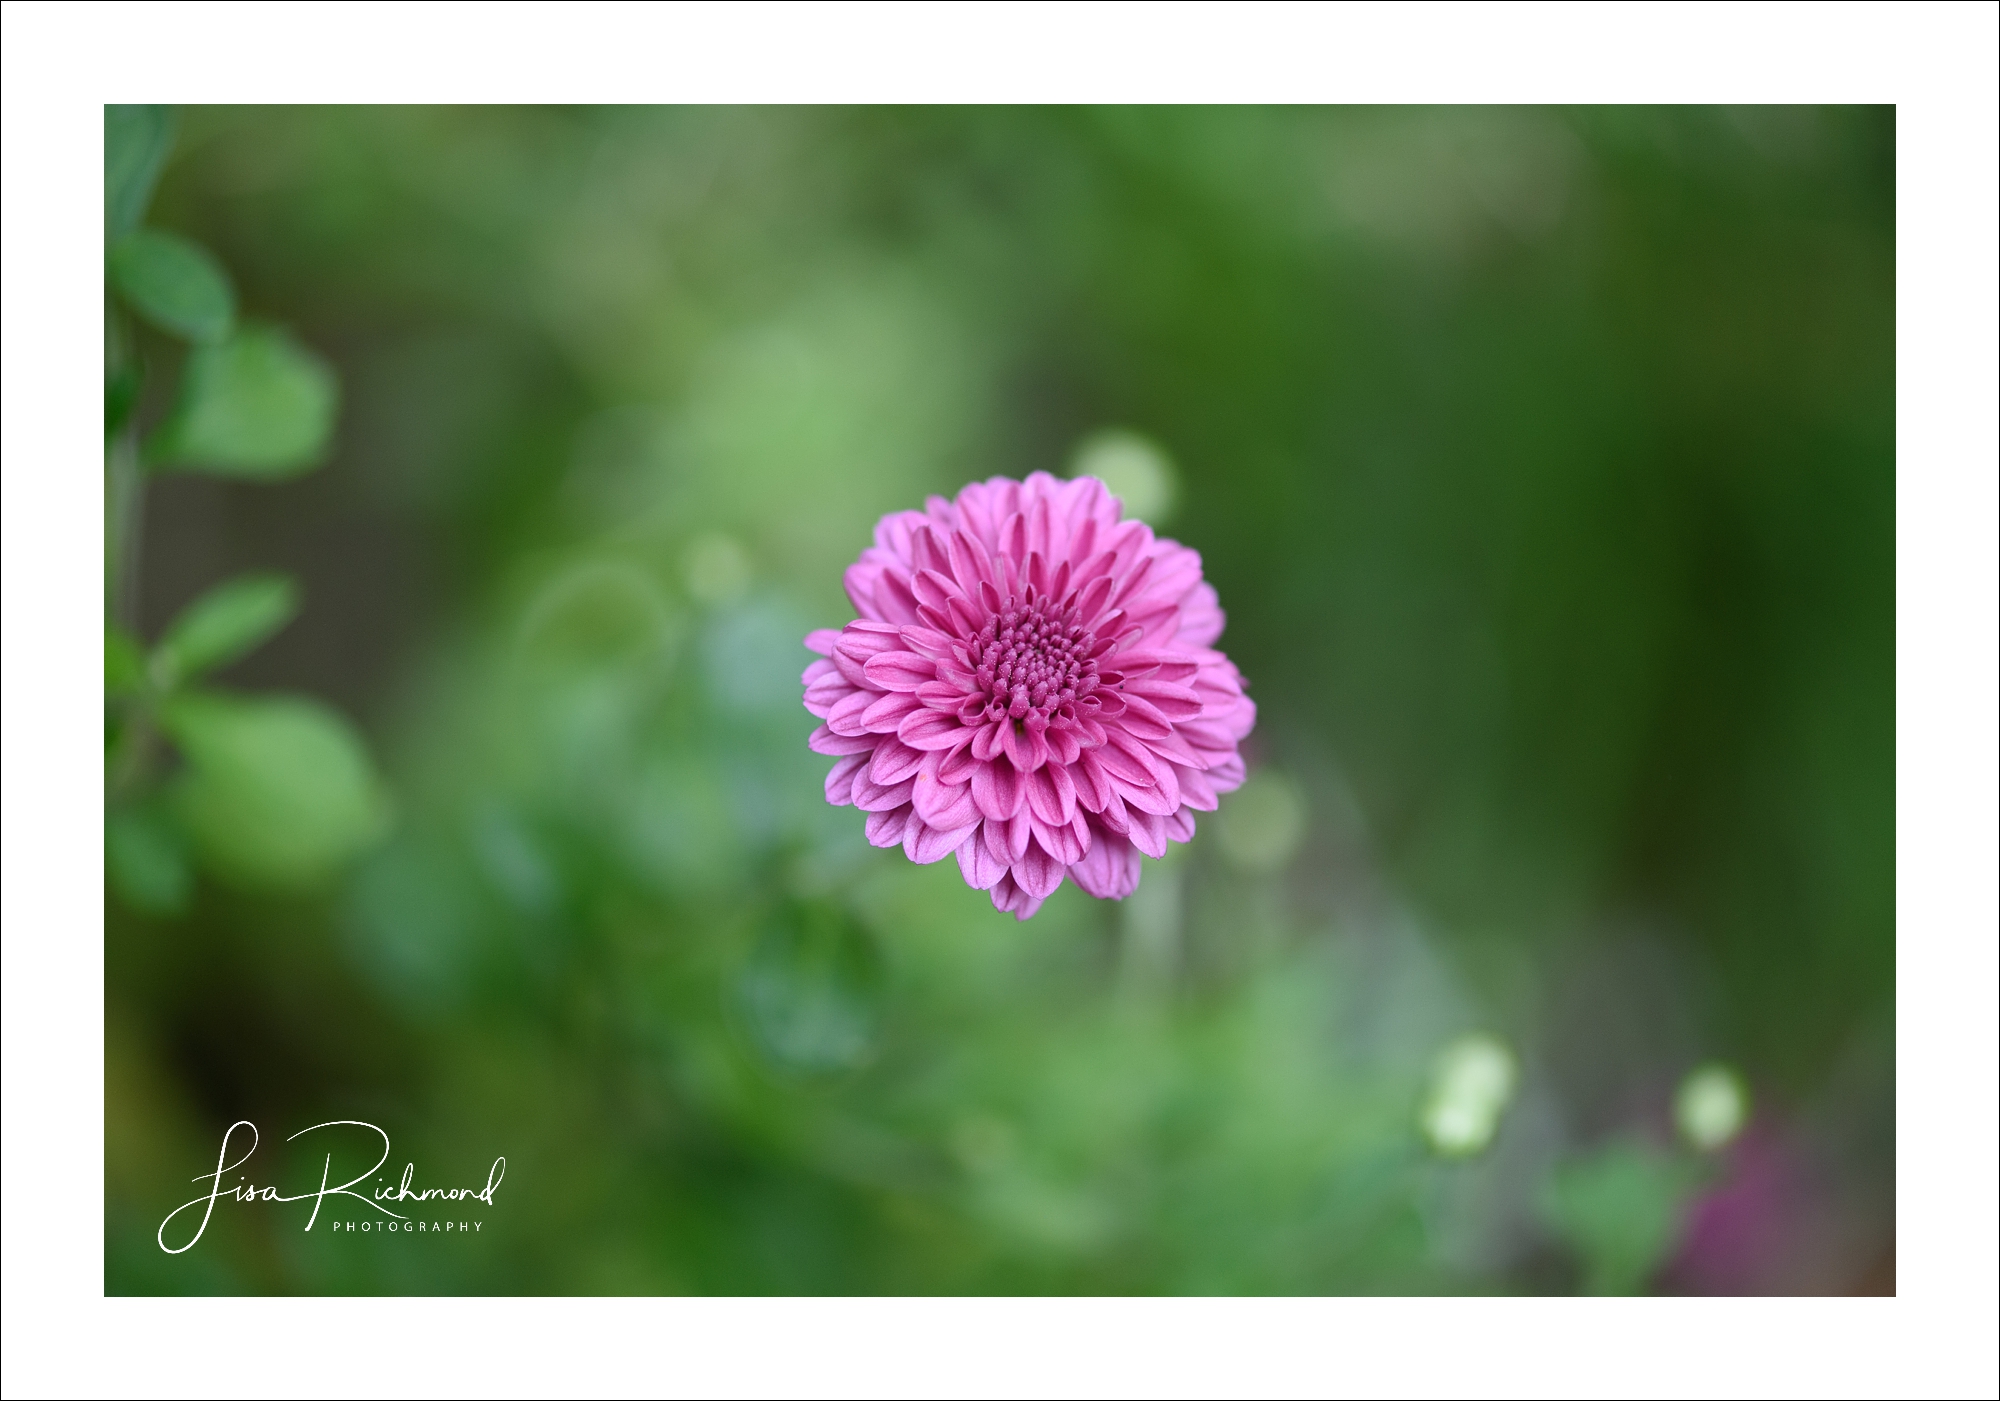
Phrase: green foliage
[146,859]
[1619,1208]
[124,663]
[810,991]
[136,142]
[257,405]
[274,793]
[225,623]
[278,791]
[175,284]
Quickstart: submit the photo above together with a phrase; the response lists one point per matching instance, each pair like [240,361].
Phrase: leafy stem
[125,481]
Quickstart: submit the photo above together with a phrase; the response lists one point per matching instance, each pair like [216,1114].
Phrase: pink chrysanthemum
[1031,686]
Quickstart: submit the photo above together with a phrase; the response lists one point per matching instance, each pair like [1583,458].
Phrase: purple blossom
[1031,686]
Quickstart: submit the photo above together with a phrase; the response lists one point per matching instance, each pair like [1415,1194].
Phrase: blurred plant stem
[125,487]
[126,490]
[131,751]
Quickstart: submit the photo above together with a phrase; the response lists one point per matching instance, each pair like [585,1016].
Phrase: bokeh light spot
[1262,823]
[1134,468]
[1471,1082]
[716,569]
[1711,1106]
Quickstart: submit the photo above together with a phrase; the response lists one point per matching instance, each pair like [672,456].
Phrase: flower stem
[125,503]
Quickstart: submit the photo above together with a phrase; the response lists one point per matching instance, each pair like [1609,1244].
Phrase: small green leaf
[124,663]
[136,142]
[223,624]
[147,862]
[278,793]
[175,284]
[257,405]
[1620,1209]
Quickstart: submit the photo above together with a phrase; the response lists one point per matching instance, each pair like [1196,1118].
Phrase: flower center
[1034,666]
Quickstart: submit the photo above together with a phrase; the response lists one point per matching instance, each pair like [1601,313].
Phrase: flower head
[1031,686]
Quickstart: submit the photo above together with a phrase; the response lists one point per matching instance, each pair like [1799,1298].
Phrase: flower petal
[1092,787]
[845,718]
[1157,664]
[1110,869]
[899,671]
[1019,746]
[1063,745]
[1226,775]
[927,729]
[981,869]
[1196,791]
[1115,817]
[1149,833]
[825,741]
[893,598]
[924,844]
[957,764]
[970,565]
[1051,795]
[986,743]
[996,788]
[1141,717]
[1038,873]
[943,804]
[1009,898]
[823,693]
[885,829]
[1117,759]
[893,762]
[1006,840]
[942,696]
[1172,700]
[870,796]
[1148,800]
[864,637]
[886,714]
[1091,600]
[840,780]
[1174,749]
[1061,843]
[934,589]
[1205,734]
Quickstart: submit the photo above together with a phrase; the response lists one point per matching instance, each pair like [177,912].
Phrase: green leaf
[1620,1209]
[278,793]
[147,862]
[224,624]
[175,284]
[124,663]
[257,405]
[136,142]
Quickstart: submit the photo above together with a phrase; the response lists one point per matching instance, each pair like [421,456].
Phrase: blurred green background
[1543,461]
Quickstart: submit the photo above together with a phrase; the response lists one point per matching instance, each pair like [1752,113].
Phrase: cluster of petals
[1032,686]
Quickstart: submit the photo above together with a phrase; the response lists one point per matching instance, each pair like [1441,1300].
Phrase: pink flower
[1031,686]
